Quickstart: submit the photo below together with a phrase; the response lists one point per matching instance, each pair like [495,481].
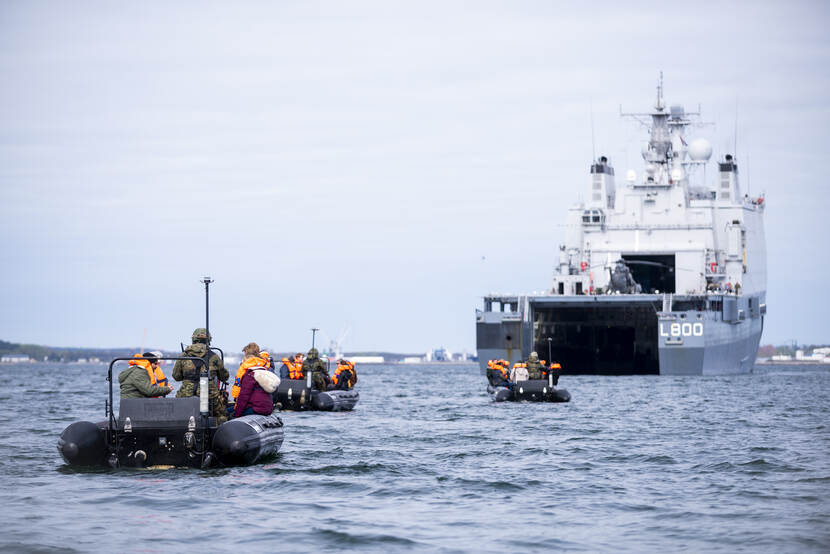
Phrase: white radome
[700,150]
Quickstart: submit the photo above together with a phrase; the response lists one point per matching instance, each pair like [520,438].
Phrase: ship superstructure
[663,273]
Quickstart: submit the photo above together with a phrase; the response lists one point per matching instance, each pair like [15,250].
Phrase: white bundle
[267,380]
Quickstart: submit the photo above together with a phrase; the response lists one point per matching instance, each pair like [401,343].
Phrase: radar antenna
[660,104]
[593,143]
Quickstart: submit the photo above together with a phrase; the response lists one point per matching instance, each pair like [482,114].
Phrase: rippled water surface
[427,462]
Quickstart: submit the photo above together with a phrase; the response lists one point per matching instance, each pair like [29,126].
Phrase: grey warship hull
[713,334]
[665,274]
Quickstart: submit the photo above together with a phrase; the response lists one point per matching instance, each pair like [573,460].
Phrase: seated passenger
[534,368]
[345,376]
[252,358]
[251,397]
[292,369]
[497,373]
[139,379]
[161,379]
[519,372]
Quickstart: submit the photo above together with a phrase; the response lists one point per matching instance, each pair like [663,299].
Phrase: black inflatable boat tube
[536,390]
[83,444]
[295,394]
[334,400]
[246,439]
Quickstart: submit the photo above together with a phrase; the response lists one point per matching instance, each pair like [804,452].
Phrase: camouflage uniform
[534,368]
[319,372]
[190,371]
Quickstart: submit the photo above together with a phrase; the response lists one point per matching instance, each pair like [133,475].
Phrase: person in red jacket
[252,398]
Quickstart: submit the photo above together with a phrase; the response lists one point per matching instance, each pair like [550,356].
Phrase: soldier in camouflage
[189,371]
[319,372]
[534,368]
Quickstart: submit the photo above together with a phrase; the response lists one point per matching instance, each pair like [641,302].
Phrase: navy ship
[665,274]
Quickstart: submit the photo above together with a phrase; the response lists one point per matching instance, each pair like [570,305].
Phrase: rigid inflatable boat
[297,394]
[534,390]
[169,432]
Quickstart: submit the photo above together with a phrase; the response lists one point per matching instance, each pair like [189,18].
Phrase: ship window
[593,216]
[561,287]
[578,287]
[724,195]
[724,183]
[597,196]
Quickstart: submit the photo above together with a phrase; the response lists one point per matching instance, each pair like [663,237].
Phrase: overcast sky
[371,166]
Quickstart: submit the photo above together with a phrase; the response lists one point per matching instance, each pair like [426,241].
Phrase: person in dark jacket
[292,368]
[252,399]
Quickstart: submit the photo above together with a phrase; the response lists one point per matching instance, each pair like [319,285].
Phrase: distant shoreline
[792,362]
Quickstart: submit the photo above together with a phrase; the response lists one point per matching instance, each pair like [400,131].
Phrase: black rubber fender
[246,439]
[499,394]
[83,443]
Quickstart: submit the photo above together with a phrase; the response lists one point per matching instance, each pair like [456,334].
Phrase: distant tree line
[57,354]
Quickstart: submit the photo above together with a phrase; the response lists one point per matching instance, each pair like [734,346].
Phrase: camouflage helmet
[313,353]
[200,335]
[534,357]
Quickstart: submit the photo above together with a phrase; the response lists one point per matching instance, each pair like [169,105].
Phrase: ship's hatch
[654,273]
[610,339]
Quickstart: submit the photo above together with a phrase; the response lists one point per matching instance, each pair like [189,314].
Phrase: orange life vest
[141,361]
[497,365]
[263,361]
[519,364]
[340,369]
[161,379]
[295,369]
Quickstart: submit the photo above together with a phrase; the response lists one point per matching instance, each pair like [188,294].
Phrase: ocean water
[427,463]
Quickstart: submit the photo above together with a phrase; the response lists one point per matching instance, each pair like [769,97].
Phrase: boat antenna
[550,357]
[207,281]
[204,395]
[313,335]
